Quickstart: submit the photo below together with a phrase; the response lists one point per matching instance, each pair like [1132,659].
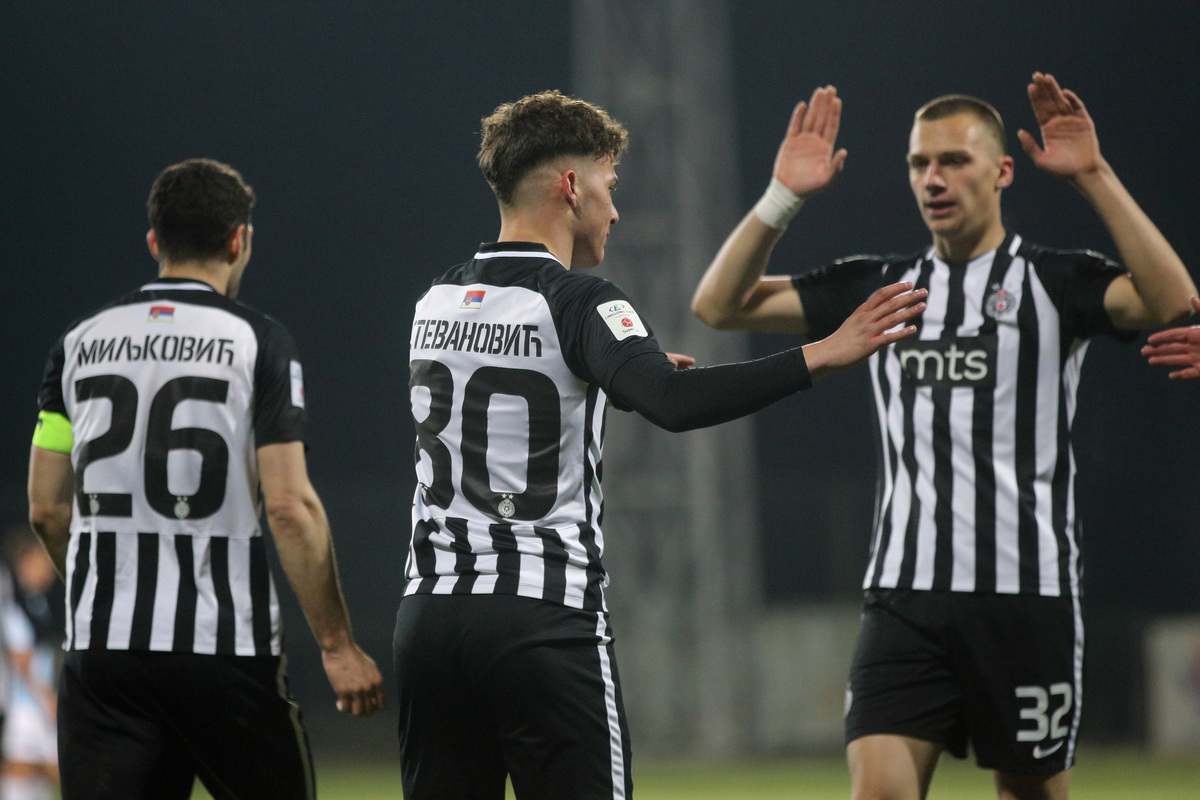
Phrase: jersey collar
[178,283]
[515,250]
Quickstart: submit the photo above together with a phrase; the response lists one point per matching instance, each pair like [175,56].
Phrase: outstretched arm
[733,292]
[679,400]
[305,548]
[1156,291]
[1177,347]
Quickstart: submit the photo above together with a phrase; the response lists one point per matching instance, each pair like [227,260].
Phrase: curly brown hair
[195,205]
[538,128]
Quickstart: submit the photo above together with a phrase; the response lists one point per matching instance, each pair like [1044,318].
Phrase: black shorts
[1000,672]
[495,685]
[146,725]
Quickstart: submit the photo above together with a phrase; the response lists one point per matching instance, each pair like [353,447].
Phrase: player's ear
[1005,178]
[568,185]
[238,242]
[152,243]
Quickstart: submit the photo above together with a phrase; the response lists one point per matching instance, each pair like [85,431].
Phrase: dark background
[357,125]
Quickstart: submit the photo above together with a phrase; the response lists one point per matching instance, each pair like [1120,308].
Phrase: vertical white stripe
[616,751]
[1046,438]
[933,323]
[1071,376]
[926,544]
[576,576]
[166,595]
[72,550]
[276,622]
[239,585]
[310,788]
[205,638]
[1078,678]
[125,596]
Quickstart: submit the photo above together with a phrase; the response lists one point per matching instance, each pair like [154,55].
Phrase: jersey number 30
[541,468]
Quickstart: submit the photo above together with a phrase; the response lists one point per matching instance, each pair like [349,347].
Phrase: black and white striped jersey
[974,414]
[170,390]
[510,356]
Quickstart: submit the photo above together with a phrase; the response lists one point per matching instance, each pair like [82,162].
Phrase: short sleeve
[1077,281]
[50,396]
[831,293]
[279,414]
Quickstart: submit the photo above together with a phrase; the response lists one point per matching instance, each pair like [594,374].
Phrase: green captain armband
[53,432]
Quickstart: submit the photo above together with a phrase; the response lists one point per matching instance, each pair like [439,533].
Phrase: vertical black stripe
[982,431]
[185,598]
[554,559]
[260,596]
[508,560]
[423,555]
[147,587]
[883,527]
[218,561]
[464,559]
[908,395]
[79,575]
[106,577]
[1028,363]
[943,441]
[1060,489]
[593,596]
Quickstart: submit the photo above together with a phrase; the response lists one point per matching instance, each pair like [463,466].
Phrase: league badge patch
[621,319]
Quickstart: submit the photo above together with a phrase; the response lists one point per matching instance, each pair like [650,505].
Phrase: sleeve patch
[53,432]
[621,319]
[297,385]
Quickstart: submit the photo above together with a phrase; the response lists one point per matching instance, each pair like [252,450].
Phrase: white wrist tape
[778,205]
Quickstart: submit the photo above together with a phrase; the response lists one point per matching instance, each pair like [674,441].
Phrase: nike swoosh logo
[1039,752]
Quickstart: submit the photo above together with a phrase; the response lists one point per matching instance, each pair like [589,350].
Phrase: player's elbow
[1175,313]
[711,314]
[287,511]
[47,517]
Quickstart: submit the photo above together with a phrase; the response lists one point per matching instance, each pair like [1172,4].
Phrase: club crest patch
[1000,302]
[621,319]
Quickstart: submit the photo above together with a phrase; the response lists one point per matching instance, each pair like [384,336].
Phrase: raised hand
[876,323]
[806,162]
[1177,347]
[1070,148]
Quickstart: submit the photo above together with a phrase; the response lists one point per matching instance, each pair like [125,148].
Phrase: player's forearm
[727,286]
[52,524]
[305,547]
[1158,274]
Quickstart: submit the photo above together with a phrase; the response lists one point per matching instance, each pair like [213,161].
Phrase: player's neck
[215,274]
[964,248]
[524,228]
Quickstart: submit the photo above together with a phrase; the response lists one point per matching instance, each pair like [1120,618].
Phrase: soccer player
[971,630]
[504,655]
[29,770]
[1178,348]
[168,419]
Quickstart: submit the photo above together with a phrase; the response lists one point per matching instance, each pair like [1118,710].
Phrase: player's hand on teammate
[1070,148]
[681,361]
[355,680]
[1177,347]
[880,321]
[806,162]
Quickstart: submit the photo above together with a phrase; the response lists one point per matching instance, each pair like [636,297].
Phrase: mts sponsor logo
[949,362]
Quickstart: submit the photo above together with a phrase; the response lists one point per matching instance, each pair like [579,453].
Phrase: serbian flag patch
[473,299]
[162,314]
